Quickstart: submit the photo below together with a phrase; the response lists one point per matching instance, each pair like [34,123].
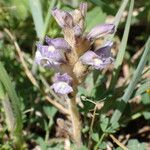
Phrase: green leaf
[50,111]
[85,129]
[15,104]
[95,86]
[21,9]
[81,91]
[115,125]
[118,148]
[94,17]
[88,105]
[4,78]
[10,120]
[42,143]
[37,15]
[104,123]
[89,83]
[83,148]
[143,88]
[2,92]
[103,146]
[146,115]
[113,128]
[95,137]
[135,145]
[145,98]
[98,2]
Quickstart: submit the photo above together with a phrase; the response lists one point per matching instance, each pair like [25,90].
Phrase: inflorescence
[73,55]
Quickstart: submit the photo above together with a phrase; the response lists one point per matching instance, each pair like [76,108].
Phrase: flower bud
[63,18]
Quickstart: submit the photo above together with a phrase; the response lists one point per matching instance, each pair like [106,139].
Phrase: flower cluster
[72,55]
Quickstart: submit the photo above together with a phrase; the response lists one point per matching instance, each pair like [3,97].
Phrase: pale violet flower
[101,30]
[98,59]
[62,88]
[58,43]
[48,56]
[63,77]
[62,84]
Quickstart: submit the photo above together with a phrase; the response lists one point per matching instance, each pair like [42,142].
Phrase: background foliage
[24,110]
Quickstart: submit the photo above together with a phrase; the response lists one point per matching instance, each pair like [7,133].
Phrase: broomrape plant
[73,56]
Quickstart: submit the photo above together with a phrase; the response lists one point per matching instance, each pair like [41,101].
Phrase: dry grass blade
[27,71]
[57,105]
[118,142]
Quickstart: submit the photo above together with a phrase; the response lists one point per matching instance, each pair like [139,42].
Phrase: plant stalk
[99,142]
[75,119]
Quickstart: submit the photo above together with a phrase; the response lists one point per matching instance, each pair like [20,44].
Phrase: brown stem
[75,118]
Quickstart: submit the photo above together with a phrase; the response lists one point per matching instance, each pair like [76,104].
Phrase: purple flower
[58,43]
[100,31]
[98,59]
[48,56]
[105,51]
[64,77]
[40,60]
[62,84]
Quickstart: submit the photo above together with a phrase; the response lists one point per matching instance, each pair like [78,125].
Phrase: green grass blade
[117,114]
[120,13]
[122,48]
[48,17]
[5,80]
[117,19]
[36,11]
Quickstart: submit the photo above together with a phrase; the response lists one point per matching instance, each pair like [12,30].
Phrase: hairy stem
[75,118]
